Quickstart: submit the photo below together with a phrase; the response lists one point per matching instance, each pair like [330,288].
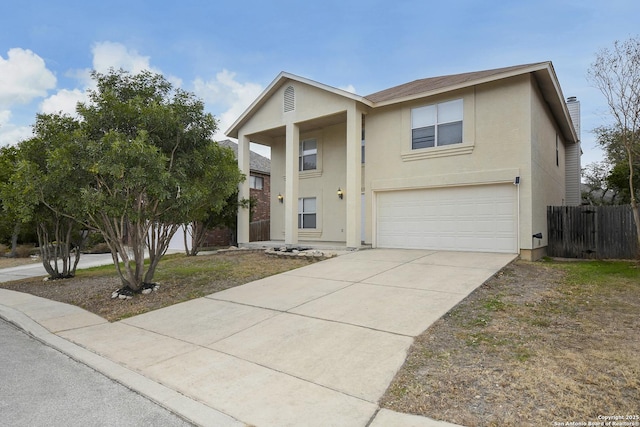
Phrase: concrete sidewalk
[37,269]
[314,346]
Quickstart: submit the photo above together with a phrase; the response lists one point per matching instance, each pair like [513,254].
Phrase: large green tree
[41,191]
[9,223]
[152,163]
[616,73]
[607,181]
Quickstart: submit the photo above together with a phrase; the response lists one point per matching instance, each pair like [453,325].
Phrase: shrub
[24,251]
[3,249]
[100,248]
[94,239]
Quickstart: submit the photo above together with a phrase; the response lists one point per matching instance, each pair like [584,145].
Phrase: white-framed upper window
[437,124]
[307,212]
[256,182]
[308,158]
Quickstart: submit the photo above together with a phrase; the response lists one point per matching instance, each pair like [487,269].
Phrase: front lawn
[540,343]
[180,278]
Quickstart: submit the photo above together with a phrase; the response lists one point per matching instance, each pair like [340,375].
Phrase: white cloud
[348,88]
[115,55]
[65,100]
[11,134]
[108,55]
[5,116]
[23,77]
[229,95]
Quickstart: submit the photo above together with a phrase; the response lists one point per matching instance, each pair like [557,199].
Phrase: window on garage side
[256,182]
[308,157]
[437,125]
[307,212]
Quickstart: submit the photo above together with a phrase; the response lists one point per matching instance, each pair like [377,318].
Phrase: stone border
[285,252]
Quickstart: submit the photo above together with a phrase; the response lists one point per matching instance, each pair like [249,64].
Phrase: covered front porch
[316,162]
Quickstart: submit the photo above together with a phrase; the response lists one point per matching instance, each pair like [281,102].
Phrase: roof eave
[468,83]
[232,132]
[278,82]
[556,100]
[554,97]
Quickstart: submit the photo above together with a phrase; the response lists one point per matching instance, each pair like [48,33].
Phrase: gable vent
[289,99]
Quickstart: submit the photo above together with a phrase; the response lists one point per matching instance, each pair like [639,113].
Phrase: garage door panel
[474,218]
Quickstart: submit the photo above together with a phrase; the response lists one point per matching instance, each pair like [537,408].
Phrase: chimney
[574,111]
[572,157]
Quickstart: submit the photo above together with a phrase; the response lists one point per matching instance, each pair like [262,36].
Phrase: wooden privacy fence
[591,232]
[260,231]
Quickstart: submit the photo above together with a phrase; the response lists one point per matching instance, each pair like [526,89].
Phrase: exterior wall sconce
[280,198]
[340,193]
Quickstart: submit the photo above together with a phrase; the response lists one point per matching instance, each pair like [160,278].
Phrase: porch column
[354,177]
[291,184]
[243,188]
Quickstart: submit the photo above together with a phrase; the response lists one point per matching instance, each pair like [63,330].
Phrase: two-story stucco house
[460,162]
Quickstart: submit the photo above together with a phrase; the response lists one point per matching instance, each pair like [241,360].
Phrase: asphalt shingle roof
[434,83]
[257,162]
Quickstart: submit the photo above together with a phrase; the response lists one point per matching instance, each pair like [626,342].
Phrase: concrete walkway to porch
[314,346]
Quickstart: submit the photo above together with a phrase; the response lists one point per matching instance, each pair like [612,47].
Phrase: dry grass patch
[15,262]
[537,344]
[181,278]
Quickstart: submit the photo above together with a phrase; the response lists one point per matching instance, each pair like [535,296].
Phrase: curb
[184,407]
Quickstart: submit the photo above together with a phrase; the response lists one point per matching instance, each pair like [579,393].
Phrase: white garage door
[479,218]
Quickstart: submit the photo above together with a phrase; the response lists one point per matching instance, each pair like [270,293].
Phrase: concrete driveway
[313,346]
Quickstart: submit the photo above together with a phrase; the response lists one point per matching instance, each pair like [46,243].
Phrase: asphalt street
[40,386]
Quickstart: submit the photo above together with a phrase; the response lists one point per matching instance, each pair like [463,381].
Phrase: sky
[228,52]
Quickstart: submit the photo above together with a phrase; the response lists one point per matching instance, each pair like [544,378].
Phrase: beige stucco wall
[310,103]
[508,131]
[548,179]
[321,184]
[496,132]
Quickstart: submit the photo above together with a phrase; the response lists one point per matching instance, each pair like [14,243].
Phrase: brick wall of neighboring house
[262,207]
[261,211]
[218,237]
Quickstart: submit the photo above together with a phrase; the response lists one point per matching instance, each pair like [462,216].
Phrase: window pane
[423,116]
[307,212]
[308,146]
[309,162]
[256,182]
[450,111]
[423,137]
[307,156]
[309,221]
[451,133]
[309,205]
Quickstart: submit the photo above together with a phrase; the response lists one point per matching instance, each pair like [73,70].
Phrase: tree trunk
[636,219]
[14,240]
[198,236]
[59,250]
[185,236]
[632,190]
[158,239]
